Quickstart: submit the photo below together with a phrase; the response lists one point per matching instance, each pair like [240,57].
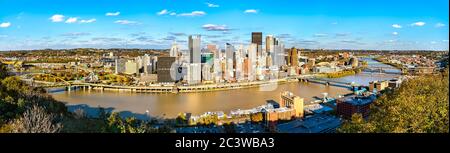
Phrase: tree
[230,127]
[256,117]
[36,120]
[14,84]
[3,71]
[356,125]
[181,118]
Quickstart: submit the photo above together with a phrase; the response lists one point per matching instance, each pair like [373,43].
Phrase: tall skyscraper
[278,57]
[194,49]
[257,38]
[217,70]
[194,73]
[293,57]
[140,64]
[147,64]
[239,56]
[167,70]
[270,41]
[174,50]
[229,53]
[131,67]
[194,69]
[120,65]
[251,65]
[206,72]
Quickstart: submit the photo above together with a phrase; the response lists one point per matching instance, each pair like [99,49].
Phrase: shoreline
[174,89]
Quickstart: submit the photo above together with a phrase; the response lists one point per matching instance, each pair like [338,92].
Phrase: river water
[169,105]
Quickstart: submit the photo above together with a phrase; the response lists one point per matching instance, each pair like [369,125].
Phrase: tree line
[420,105]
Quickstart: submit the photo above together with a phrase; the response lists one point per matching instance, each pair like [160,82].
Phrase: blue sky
[345,24]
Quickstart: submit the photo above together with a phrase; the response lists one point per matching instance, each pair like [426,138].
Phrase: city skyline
[401,25]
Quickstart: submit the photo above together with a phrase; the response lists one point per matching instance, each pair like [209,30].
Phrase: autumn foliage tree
[36,120]
[420,105]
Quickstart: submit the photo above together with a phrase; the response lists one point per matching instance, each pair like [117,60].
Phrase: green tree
[181,119]
[256,117]
[3,71]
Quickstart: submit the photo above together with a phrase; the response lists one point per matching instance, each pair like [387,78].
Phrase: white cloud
[88,21]
[391,41]
[163,12]
[112,14]
[418,24]
[72,20]
[125,22]
[438,25]
[3,36]
[213,27]
[173,13]
[75,34]
[395,33]
[251,11]
[193,13]
[334,23]
[396,26]
[320,35]
[212,5]
[433,42]
[446,40]
[57,18]
[5,24]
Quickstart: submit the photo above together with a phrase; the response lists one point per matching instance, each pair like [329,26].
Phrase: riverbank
[182,89]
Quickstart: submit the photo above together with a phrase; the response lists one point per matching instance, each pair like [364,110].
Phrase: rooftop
[358,100]
[310,124]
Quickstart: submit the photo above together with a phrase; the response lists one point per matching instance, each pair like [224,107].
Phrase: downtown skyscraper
[194,49]
[257,39]
[194,68]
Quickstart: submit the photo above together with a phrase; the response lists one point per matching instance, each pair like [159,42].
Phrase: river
[169,105]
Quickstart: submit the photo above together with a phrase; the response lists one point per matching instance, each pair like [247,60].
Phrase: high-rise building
[206,72]
[208,57]
[194,49]
[229,53]
[217,70]
[147,64]
[293,57]
[289,100]
[245,67]
[251,67]
[174,50]
[238,63]
[270,41]
[257,39]
[131,67]
[194,73]
[140,64]
[120,65]
[154,61]
[167,70]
